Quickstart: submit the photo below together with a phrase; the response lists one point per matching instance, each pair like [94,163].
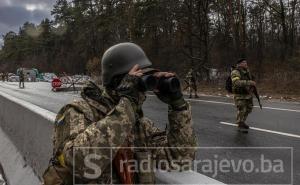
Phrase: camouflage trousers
[244,108]
[21,84]
[193,87]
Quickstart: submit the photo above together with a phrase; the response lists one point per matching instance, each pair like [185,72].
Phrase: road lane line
[226,103]
[274,108]
[264,130]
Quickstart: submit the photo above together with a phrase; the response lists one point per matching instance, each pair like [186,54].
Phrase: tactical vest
[245,75]
[57,172]
[60,138]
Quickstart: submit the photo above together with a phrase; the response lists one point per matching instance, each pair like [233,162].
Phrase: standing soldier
[112,116]
[191,79]
[2,77]
[21,78]
[242,83]
[6,76]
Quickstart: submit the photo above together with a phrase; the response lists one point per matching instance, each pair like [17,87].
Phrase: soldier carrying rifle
[243,88]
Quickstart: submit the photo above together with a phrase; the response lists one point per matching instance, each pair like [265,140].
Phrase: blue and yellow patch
[60,120]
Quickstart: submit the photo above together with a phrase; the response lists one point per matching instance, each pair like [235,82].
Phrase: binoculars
[163,84]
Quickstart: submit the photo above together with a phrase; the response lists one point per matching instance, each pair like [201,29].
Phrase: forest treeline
[176,35]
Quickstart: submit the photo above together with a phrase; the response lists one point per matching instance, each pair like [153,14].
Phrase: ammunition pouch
[56,174]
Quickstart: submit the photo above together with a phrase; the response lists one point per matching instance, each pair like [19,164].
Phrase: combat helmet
[120,58]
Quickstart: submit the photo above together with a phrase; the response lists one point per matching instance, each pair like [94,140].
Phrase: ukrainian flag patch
[60,120]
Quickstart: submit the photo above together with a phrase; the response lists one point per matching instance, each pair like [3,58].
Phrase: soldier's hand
[252,83]
[129,87]
[174,99]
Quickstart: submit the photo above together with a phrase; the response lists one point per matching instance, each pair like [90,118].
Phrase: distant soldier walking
[6,76]
[2,77]
[242,83]
[21,79]
[191,80]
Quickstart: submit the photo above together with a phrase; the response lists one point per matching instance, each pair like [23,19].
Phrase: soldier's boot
[243,127]
[196,96]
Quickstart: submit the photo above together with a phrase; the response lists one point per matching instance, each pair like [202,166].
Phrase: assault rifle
[254,90]
[188,84]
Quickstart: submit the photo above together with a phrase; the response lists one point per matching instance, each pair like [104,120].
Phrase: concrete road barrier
[29,127]
[25,145]
[15,168]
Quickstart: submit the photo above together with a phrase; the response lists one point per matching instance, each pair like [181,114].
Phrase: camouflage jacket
[105,121]
[21,75]
[192,76]
[240,83]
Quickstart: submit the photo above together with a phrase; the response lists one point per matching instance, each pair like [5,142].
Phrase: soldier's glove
[129,88]
[173,99]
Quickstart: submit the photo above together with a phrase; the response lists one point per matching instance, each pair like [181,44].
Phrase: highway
[275,135]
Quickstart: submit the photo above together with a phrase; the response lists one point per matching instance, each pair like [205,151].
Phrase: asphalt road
[268,154]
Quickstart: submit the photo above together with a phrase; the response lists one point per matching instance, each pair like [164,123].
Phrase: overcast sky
[13,13]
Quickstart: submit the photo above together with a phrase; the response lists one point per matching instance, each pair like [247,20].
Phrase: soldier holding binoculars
[112,116]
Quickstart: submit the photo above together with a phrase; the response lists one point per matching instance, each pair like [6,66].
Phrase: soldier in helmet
[242,83]
[191,79]
[112,116]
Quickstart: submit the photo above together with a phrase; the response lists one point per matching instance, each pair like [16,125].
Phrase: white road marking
[209,101]
[274,108]
[226,103]
[265,130]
